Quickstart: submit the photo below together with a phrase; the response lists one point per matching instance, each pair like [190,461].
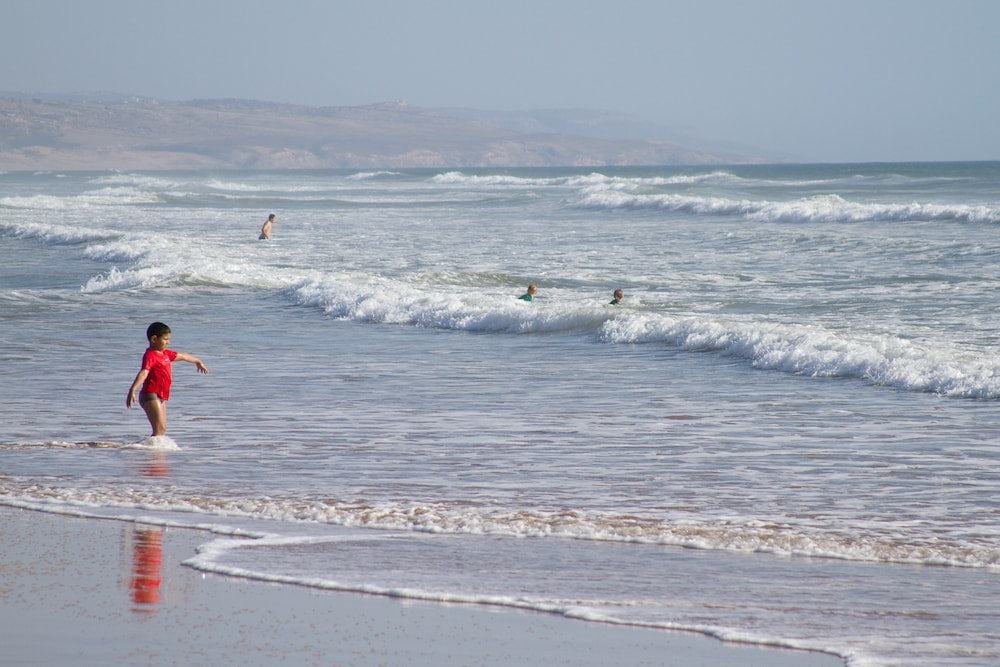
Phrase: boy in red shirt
[154,376]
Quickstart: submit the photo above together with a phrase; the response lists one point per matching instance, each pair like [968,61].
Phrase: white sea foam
[595,182]
[593,179]
[458,178]
[50,202]
[142,180]
[160,442]
[870,543]
[377,299]
[149,261]
[155,442]
[818,352]
[819,208]
[367,175]
[56,233]
[111,196]
[798,349]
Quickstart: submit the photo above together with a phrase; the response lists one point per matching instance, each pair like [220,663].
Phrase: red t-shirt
[158,365]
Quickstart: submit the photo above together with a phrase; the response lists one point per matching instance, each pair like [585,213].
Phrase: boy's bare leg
[156,412]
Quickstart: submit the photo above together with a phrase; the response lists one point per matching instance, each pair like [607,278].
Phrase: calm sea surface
[787,433]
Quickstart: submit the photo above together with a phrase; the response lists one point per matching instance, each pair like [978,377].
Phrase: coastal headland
[147,134]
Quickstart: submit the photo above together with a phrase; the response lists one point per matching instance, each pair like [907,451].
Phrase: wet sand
[104,592]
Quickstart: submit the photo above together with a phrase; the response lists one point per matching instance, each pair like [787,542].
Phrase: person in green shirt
[530,294]
[618,296]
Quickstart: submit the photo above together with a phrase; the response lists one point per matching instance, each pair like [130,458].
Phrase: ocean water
[787,434]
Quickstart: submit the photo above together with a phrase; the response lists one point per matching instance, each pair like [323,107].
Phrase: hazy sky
[833,80]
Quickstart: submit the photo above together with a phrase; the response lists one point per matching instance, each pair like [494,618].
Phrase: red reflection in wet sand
[147,557]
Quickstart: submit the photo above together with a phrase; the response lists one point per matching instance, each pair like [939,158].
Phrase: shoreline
[99,591]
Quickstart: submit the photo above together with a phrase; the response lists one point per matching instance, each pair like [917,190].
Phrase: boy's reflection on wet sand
[147,558]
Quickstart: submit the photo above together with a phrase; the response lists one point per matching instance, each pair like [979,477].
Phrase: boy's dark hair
[156,329]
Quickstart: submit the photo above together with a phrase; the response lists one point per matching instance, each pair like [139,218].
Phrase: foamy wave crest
[368,175]
[688,179]
[821,208]
[376,299]
[117,196]
[186,271]
[589,180]
[147,181]
[129,250]
[151,261]
[458,178]
[753,536]
[881,360]
[593,180]
[59,444]
[115,280]
[153,442]
[50,202]
[832,208]
[101,197]
[872,543]
[162,188]
[597,181]
[56,234]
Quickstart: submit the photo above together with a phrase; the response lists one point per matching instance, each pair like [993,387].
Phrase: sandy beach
[88,592]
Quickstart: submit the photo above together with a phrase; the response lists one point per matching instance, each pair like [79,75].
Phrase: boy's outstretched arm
[136,383]
[184,356]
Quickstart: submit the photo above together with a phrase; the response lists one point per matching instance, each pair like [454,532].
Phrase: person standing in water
[618,296]
[265,231]
[155,378]
[530,294]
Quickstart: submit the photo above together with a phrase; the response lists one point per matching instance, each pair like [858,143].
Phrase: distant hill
[105,131]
